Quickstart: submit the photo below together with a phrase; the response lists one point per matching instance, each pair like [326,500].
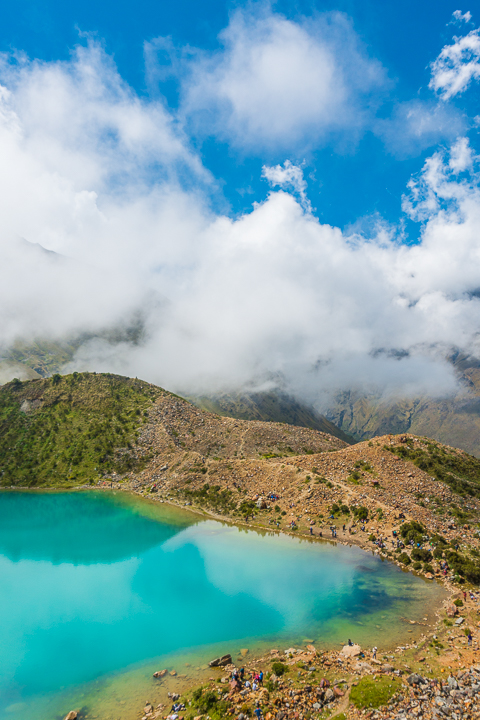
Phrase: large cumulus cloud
[274,83]
[110,184]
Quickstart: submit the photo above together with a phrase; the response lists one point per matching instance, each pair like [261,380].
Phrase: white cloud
[277,293]
[457,66]
[291,177]
[90,171]
[277,83]
[437,191]
[415,125]
[99,176]
[459,17]
[461,156]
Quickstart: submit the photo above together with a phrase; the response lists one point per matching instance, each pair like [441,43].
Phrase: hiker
[260,677]
[258,712]
[470,638]
[311,530]
[350,642]
[344,528]
[242,673]
[374,653]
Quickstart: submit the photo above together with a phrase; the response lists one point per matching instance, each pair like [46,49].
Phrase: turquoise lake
[97,590]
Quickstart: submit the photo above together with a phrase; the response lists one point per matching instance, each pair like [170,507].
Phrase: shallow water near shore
[98,590]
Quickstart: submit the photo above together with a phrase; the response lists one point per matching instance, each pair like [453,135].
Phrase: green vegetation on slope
[371,692]
[44,357]
[464,566]
[70,429]
[211,497]
[459,470]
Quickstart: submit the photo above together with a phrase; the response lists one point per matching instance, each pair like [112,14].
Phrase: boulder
[159,673]
[351,651]
[221,661]
[387,668]
[452,683]
[362,667]
[311,648]
[329,695]
[414,679]
[72,715]
[338,692]
[459,621]
[243,652]
[452,610]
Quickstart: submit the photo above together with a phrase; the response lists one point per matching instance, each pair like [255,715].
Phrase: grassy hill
[71,428]
[80,427]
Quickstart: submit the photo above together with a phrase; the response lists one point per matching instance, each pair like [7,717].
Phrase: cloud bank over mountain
[113,185]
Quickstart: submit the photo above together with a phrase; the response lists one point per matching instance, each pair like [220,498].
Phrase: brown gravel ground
[185,448]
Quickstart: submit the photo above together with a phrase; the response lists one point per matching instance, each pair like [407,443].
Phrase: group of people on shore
[256,682]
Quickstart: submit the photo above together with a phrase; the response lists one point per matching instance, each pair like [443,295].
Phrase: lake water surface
[98,590]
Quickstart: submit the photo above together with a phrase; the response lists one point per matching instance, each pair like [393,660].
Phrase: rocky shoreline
[301,683]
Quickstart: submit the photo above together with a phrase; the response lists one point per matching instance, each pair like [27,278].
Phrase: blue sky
[348,181]
[282,194]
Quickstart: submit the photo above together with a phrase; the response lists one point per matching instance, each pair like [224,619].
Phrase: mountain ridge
[108,431]
[272,406]
[78,427]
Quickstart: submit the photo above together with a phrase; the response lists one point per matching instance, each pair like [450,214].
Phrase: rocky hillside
[451,420]
[77,428]
[405,484]
[273,406]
